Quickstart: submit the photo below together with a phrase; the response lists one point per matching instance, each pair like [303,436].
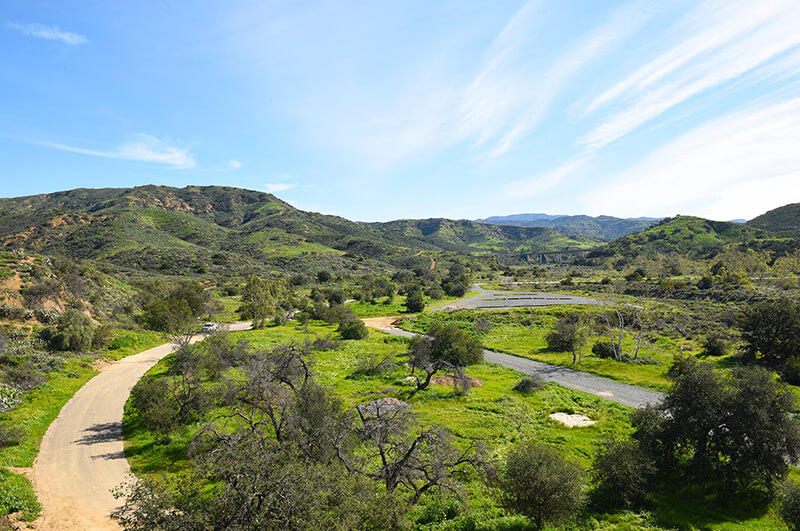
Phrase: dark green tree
[457,281]
[176,309]
[444,348]
[570,334]
[771,332]
[621,470]
[540,483]
[415,302]
[735,428]
[353,329]
[262,300]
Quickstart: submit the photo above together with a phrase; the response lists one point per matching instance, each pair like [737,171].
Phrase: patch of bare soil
[101,364]
[575,420]
[448,380]
[383,322]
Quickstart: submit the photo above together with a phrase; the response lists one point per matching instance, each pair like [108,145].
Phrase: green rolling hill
[686,235]
[199,229]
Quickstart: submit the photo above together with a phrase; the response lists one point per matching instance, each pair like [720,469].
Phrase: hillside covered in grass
[785,218]
[218,229]
[685,235]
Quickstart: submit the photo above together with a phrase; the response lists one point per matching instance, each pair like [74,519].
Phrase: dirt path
[82,457]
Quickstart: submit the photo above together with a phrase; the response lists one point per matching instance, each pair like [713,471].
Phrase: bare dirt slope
[82,457]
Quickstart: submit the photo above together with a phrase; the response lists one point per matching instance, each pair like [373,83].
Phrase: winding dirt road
[82,458]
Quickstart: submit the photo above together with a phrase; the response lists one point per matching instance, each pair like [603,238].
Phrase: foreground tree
[400,452]
[257,484]
[540,483]
[735,428]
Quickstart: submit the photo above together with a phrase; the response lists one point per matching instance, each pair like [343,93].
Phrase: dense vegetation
[704,311]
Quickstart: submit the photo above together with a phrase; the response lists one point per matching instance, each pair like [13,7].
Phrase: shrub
[539,482]
[789,504]
[414,301]
[621,470]
[603,349]
[373,364]
[353,329]
[714,346]
[325,343]
[74,332]
[483,326]
[9,398]
[705,283]
[529,384]
[10,435]
[636,275]
[605,281]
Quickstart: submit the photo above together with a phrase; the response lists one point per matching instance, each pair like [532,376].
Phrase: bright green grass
[230,306]
[398,305]
[510,336]
[17,495]
[42,405]
[380,309]
[493,413]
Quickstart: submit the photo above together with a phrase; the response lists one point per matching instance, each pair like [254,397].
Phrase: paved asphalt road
[498,300]
[81,457]
[628,395]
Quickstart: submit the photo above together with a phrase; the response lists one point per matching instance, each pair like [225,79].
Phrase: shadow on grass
[678,504]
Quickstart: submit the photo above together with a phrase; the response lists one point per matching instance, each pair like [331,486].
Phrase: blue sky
[384,110]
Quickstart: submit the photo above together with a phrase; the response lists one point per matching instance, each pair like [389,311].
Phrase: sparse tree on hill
[262,299]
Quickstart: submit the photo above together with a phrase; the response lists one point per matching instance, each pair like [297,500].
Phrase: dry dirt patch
[448,380]
[575,420]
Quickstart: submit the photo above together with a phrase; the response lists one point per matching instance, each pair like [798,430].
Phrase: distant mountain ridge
[603,227]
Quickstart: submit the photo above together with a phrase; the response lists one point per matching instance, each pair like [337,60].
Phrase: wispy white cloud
[730,167]
[621,25]
[48,32]
[274,188]
[540,183]
[234,164]
[719,42]
[143,148]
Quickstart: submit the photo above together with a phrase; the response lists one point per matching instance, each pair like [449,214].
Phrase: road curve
[628,395]
[81,457]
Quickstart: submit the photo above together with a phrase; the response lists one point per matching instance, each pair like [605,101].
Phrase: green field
[493,413]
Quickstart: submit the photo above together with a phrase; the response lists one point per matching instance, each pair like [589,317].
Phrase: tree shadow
[101,433]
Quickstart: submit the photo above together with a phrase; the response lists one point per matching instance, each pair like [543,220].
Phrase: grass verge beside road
[43,404]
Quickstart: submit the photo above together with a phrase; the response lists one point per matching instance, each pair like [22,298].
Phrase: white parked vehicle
[208,327]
